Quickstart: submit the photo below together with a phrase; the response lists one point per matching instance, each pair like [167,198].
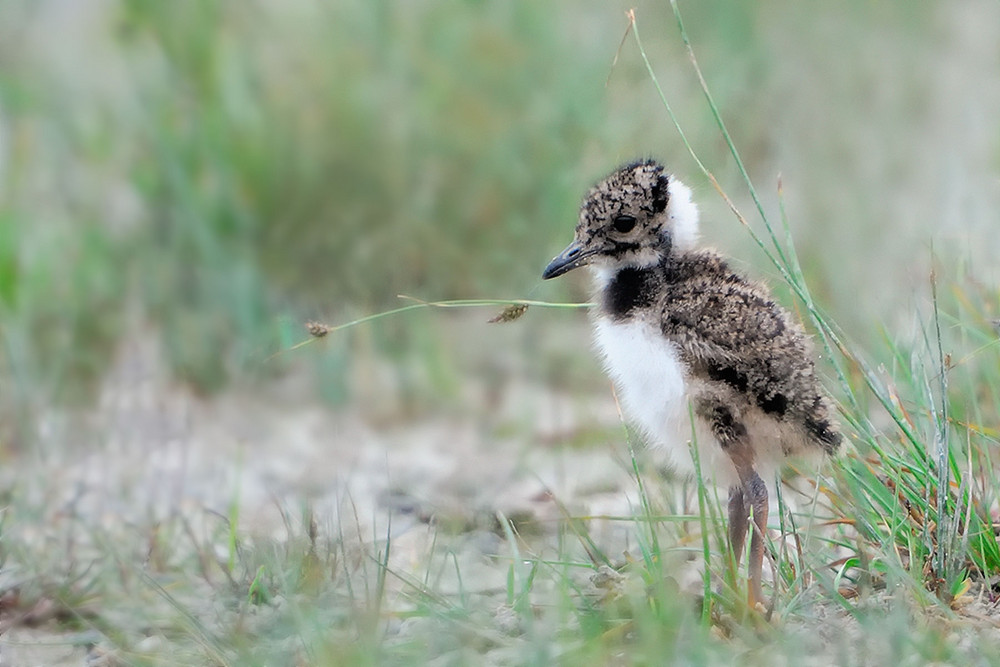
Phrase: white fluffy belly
[652,388]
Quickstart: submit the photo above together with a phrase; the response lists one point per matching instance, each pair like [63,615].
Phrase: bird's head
[635,217]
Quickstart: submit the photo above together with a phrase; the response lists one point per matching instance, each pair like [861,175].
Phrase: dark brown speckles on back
[729,331]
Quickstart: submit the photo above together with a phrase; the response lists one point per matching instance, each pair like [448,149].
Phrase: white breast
[648,374]
[653,390]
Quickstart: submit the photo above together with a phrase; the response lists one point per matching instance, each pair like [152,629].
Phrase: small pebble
[507,620]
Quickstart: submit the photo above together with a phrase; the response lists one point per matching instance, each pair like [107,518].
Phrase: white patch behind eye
[683,215]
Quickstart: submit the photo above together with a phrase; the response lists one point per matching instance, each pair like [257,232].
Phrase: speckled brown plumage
[732,335]
[683,334]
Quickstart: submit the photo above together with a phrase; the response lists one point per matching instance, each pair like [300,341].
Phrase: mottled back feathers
[728,331]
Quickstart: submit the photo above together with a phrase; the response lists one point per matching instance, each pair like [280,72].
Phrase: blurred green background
[214,173]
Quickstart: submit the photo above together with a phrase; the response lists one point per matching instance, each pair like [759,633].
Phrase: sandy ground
[433,481]
[153,452]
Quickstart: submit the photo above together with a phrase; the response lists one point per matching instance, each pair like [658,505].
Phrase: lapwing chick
[686,338]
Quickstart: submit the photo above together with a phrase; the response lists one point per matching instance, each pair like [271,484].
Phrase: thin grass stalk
[725,134]
[650,554]
[706,551]
[942,441]
[454,303]
[382,565]
[519,600]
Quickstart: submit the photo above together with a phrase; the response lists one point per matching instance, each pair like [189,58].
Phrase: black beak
[574,256]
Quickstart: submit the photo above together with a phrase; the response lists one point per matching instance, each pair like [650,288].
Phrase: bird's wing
[728,322]
[731,332]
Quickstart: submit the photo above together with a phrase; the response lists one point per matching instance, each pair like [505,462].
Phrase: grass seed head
[317,329]
[510,313]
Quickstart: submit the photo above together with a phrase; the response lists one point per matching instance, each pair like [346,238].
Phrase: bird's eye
[624,224]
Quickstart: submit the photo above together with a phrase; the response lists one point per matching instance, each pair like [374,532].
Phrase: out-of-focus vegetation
[218,170]
[218,164]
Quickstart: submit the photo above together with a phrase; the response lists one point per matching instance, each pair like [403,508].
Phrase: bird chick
[683,335]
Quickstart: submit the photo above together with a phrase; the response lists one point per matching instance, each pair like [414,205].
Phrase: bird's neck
[622,289]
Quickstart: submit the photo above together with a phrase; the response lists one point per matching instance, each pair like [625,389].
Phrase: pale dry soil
[154,453]
[107,492]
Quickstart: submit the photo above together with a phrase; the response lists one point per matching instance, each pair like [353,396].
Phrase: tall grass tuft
[901,488]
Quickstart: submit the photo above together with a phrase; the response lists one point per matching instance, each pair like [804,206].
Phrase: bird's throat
[629,288]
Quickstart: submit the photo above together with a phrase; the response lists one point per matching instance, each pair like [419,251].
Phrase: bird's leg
[751,490]
[755,493]
[754,497]
[737,523]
